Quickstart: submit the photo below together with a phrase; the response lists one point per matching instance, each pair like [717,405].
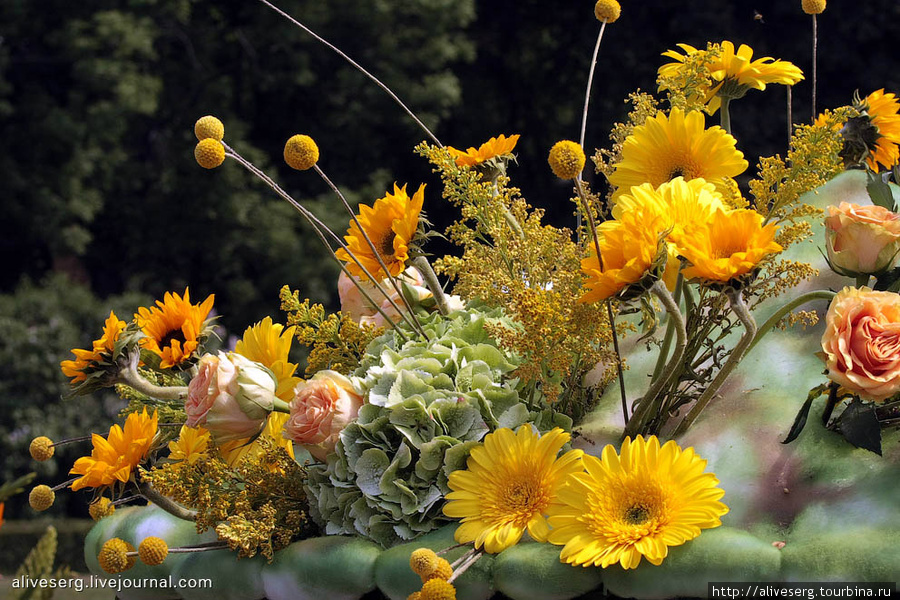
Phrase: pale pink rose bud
[231,396]
[861,239]
[321,408]
[861,343]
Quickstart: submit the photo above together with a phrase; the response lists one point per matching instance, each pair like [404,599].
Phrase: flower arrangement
[555,410]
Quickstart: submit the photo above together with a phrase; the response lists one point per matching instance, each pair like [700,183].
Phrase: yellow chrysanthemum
[391,224]
[730,244]
[173,327]
[607,10]
[635,504]
[269,344]
[813,7]
[566,159]
[509,482]
[192,445]
[209,127]
[301,152]
[629,247]
[734,73]
[883,113]
[75,369]
[114,458]
[493,148]
[209,153]
[677,145]
[235,451]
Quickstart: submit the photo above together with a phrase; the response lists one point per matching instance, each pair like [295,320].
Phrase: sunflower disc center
[387,244]
[175,334]
[637,514]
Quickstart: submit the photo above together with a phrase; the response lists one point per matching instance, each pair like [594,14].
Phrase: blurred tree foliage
[101,195]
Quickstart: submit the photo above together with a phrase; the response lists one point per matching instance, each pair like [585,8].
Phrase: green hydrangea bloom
[428,403]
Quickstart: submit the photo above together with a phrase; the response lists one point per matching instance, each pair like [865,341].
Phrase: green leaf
[803,415]
[880,192]
[889,281]
[859,426]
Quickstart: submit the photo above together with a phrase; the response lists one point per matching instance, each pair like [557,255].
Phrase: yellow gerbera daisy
[734,73]
[493,148]
[114,458]
[75,369]
[173,327]
[391,224]
[233,452]
[510,481]
[730,244]
[678,145]
[882,110]
[634,505]
[269,344]
[192,445]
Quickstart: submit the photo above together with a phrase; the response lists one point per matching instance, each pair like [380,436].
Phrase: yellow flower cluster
[209,151]
[301,152]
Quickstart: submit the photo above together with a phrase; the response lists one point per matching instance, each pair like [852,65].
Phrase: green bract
[427,404]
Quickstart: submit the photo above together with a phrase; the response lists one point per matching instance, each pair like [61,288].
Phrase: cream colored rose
[861,342]
[321,408]
[861,239]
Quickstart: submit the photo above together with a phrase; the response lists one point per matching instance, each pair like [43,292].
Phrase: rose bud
[861,240]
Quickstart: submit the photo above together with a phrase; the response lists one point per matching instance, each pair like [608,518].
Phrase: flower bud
[861,240]
[231,396]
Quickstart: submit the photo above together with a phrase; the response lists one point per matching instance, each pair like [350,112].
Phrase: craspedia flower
[634,505]
[813,7]
[100,508]
[301,152]
[153,551]
[414,596]
[437,589]
[509,482]
[209,127]
[41,448]
[607,10]
[423,561]
[442,570]
[566,159]
[41,498]
[209,153]
[113,557]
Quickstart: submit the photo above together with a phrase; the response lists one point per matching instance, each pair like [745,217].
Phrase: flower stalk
[431,282]
[129,376]
[786,309]
[164,502]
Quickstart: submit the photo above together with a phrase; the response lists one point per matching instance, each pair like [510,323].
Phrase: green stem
[619,370]
[862,280]
[786,309]
[281,406]
[670,334]
[431,281]
[167,504]
[736,300]
[725,115]
[129,376]
[513,223]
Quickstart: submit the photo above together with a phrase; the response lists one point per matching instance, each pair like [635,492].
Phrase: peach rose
[231,396]
[321,408]
[861,342]
[861,239]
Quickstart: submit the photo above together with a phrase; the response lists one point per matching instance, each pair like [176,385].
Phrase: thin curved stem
[725,115]
[786,309]
[129,376]
[590,82]
[650,404]
[736,300]
[358,67]
[164,502]
[669,335]
[815,36]
[464,566]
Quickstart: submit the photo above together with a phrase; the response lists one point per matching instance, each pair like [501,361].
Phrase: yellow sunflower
[192,445]
[734,72]
[730,244]
[634,505]
[495,147]
[75,369]
[678,145]
[509,482]
[882,110]
[114,458]
[390,224]
[269,344]
[173,327]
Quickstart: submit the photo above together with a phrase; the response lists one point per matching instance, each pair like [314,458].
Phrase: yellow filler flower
[301,152]
[732,243]
[75,369]
[733,72]
[634,505]
[677,145]
[391,224]
[173,327]
[114,458]
[509,482]
[495,147]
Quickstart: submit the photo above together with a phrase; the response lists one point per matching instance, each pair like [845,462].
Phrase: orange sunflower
[493,148]
[391,225]
[883,114]
[114,458]
[173,327]
[75,369]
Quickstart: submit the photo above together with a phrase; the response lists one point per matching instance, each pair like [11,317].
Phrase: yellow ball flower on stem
[153,551]
[100,508]
[41,498]
[209,153]
[113,557]
[607,10]
[442,570]
[423,561]
[41,448]
[566,159]
[301,152]
[634,504]
[209,127]
[510,481]
[437,589]
[813,7]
